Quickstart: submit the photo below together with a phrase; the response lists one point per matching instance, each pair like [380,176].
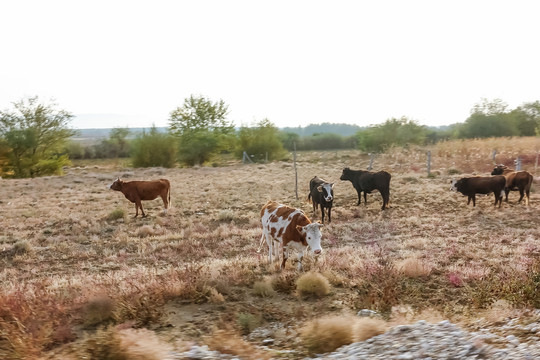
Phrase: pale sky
[126,63]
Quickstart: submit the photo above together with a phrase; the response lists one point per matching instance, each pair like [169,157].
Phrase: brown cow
[135,191]
[516,181]
[470,186]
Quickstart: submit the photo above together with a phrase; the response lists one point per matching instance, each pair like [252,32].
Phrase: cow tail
[309,197]
[170,197]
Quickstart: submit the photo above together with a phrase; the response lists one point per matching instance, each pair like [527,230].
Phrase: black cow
[470,186]
[515,180]
[368,181]
[321,193]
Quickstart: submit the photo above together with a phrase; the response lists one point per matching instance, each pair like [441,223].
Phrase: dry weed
[230,342]
[328,333]
[312,284]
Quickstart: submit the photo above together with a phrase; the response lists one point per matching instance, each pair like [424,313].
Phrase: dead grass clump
[128,344]
[328,333]
[263,288]
[413,267]
[226,215]
[313,283]
[145,231]
[230,342]
[284,282]
[116,214]
[98,310]
[368,327]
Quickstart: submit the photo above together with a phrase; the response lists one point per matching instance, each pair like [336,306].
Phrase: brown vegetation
[76,271]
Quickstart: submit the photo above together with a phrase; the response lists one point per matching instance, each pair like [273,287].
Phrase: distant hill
[339,129]
[98,134]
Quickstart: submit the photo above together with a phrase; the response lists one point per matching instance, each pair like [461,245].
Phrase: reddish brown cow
[515,180]
[135,191]
[470,186]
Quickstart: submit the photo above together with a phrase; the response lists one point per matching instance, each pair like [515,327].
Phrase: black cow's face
[346,174]
[497,171]
[326,190]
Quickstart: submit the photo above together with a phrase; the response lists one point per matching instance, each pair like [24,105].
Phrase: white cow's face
[326,190]
[313,236]
[453,185]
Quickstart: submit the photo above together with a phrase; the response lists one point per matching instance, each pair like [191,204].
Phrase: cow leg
[165,202]
[300,257]
[506,191]
[329,215]
[474,200]
[527,197]
[322,214]
[139,203]
[365,198]
[359,197]
[285,253]
[521,194]
[136,210]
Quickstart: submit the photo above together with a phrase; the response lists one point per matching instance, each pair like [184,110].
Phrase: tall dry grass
[64,258]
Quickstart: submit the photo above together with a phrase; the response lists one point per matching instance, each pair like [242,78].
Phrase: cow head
[499,169]
[453,185]
[116,185]
[326,190]
[346,174]
[313,235]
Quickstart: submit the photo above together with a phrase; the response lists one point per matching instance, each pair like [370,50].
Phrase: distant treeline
[487,119]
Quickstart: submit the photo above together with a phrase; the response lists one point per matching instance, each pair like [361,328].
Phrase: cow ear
[332,185]
[319,223]
[319,188]
[299,228]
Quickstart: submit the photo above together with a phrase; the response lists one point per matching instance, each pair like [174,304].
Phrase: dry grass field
[81,278]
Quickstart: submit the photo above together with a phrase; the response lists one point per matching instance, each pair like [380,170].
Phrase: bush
[263,289]
[116,214]
[313,283]
[154,149]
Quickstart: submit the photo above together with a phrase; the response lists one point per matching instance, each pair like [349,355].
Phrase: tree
[154,149]
[202,129]
[263,141]
[35,135]
[526,118]
[393,132]
[488,119]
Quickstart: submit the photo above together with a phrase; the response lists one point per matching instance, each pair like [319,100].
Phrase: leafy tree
[526,118]
[393,132]
[488,119]
[261,140]
[154,149]
[202,129]
[34,135]
[288,139]
[116,145]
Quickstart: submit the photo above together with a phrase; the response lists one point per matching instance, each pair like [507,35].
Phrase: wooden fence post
[295,172]
[429,162]
[518,163]
[372,156]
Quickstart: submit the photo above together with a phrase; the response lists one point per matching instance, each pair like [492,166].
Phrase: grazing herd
[285,228]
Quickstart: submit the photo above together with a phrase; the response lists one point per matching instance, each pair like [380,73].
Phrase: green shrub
[154,149]
[116,214]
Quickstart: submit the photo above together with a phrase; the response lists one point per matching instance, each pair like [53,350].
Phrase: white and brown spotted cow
[292,229]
